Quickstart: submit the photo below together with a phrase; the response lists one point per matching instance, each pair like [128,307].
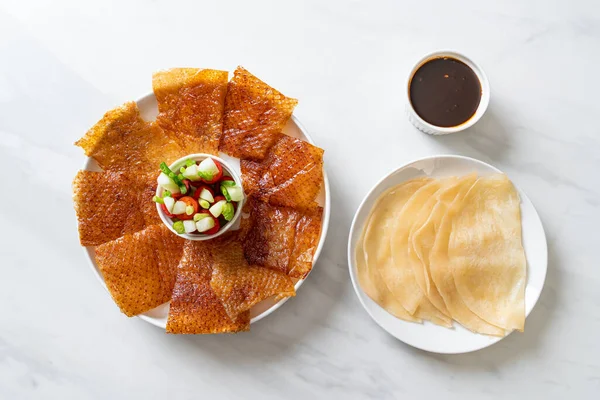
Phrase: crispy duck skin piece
[255,114]
[139,269]
[190,105]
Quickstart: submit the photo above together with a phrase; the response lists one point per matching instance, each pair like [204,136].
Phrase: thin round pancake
[372,284]
[239,285]
[399,275]
[419,245]
[405,220]
[486,253]
[190,105]
[440,226]
[255,114]
[139,269]
[194,307]
[377,248]
[123,141]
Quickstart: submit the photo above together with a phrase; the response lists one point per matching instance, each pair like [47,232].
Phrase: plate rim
[89,250]
[350,250]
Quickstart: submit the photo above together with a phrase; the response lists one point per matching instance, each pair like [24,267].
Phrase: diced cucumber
[189,226]
[217,208]
[236,193]
[179,207]
[228,211]
[207,169]
[167,183]
[199,216]
[191,173]
[204,204]
[179,227]
[206,195]
[205,224]
[169,203]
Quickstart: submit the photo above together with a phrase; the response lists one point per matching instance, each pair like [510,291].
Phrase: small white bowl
[226,168]
[430,129]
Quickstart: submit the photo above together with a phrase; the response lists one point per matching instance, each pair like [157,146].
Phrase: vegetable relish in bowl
[198,197]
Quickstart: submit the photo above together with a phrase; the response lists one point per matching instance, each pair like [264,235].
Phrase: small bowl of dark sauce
[447,93]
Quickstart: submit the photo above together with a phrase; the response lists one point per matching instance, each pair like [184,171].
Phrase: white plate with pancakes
[428,336]
[158,316]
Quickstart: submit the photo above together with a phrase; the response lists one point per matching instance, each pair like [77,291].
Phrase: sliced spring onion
[236,193]
[205,224]
[204,204]
[166,193]
[199,216]
[205,176]
[167,183]
[179,207]
[206,195]
[225,193]
[189,162]
[207,169]
[228,211]
[182,170]
[179,227]
[191,172]
[167,171]
[217,208]
[189,226]
[228,183]
[180,177]
[169,203]
[158,200]
[189,210]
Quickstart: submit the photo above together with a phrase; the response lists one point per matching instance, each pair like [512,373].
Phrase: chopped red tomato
[189,201]
[164,208]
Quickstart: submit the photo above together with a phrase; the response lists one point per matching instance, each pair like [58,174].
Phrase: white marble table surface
[63,63]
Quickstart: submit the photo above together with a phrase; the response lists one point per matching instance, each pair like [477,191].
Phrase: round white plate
[428,336]
[158,316]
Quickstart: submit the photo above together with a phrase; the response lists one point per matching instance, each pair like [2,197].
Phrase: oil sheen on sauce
[445,92]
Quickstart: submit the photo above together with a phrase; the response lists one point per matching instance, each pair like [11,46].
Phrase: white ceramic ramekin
[226,168]
[428,128]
